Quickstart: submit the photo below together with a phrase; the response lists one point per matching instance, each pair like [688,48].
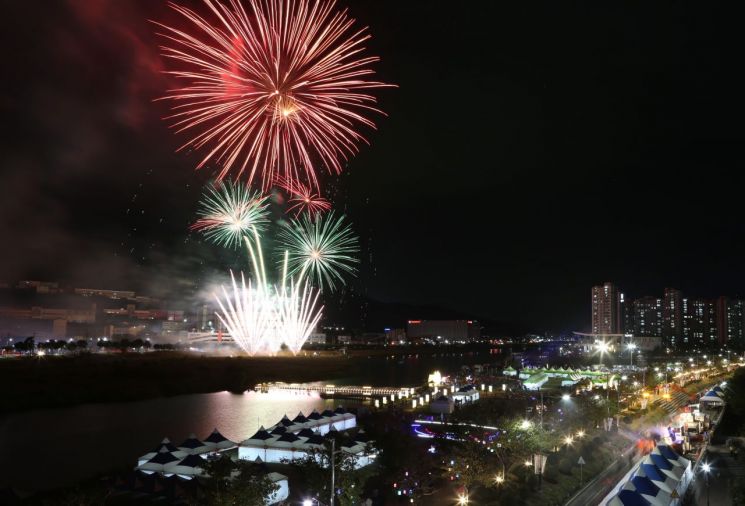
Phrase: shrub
[551,475]
[565,466]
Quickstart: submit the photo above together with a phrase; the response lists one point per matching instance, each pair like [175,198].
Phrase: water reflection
[51,448]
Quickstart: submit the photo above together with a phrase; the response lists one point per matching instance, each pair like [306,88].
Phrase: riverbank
[54,382]
[64,381]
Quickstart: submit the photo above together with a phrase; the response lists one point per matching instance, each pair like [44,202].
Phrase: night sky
[531,151]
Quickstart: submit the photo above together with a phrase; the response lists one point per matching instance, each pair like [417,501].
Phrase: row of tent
[511,371]
[303,436]
[660,479]
[714,397]
[322,422]
[186,459]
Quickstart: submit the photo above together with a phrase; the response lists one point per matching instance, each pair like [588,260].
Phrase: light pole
[602,349]
[631,347]
[541,392]
[333,474]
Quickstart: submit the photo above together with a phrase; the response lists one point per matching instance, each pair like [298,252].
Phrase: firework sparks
[303,199]
[261,317]
[274,90]
[228,211]
[322,248]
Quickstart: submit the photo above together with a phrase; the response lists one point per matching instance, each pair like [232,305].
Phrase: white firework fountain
[261,316]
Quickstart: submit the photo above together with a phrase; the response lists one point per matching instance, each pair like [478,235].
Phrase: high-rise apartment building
[699,322]
[730,321]
[681,322]
[647,315]
[672,317]
[606,309]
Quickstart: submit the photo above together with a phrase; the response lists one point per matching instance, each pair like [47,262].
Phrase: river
[51,448]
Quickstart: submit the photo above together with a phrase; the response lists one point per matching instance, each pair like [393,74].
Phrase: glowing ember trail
[272,90]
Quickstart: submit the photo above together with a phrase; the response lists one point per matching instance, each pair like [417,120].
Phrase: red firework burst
[272,90]
[303,198]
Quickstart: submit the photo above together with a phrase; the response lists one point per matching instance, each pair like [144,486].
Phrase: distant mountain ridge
[374,315]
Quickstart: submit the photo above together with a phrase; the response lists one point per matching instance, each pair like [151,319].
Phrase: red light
[414,322]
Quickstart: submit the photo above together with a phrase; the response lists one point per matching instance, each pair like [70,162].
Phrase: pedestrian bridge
[334,390]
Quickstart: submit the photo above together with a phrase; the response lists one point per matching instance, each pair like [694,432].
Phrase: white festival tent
[159,462]
[217,441]
[294,439]
[188,467]
[194,446]
[165,444]
[283,492]
[712,398]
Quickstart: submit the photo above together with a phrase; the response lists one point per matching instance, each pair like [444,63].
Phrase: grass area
[562,473]
[51,382]
[562,483]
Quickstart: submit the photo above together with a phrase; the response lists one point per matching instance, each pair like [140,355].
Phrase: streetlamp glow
[307,502]
[706,468]
[581,434]
[462,499]
[568,440]
[631,347]
[525,424]
[565,397]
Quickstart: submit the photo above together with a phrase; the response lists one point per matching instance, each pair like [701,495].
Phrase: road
[598,487]
[726,472]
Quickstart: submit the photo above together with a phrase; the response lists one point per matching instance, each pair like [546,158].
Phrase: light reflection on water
[51,448]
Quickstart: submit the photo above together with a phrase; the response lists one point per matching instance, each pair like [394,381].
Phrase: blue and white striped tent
[653,480]
[645,487]
[713,398]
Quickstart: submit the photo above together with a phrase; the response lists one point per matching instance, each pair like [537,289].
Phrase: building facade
[672,317]
[443,330]
[606,309]
[647,316]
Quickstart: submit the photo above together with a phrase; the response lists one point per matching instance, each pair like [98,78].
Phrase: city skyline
[679,320]
[568,151]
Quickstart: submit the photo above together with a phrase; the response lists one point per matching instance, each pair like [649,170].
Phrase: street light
[568,440]
[602,349]
[566,397]
[463,499]
[631,347]
[525,424]
[580,434]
